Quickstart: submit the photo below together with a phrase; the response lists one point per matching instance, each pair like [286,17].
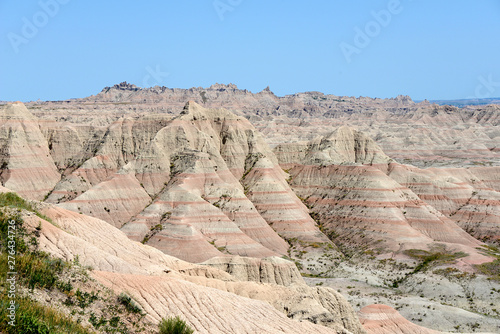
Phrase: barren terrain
[228,207]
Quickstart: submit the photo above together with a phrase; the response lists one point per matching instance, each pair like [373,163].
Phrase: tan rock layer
[382,319]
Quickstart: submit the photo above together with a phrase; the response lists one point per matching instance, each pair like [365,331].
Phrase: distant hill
[468,102]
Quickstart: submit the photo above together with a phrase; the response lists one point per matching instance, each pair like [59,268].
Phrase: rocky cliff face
[343,146]
[377,202]
[195,186]
[207,182]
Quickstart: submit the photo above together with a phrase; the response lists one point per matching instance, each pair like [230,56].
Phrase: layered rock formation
[422,133]
[203,185]
[26,164]
[212,300]
[273,270]
[195,186]
[205,181]
[368,200]
[466,196]
[343,146]
[381,319]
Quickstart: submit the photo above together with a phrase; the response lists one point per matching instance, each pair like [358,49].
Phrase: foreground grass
[34,269]
[32,317]
[14,201]
[88,308]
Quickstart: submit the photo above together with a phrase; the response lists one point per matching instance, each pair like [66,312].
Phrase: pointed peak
[16,110]
[267,90]
[194,110]
[405,99]
[190,106]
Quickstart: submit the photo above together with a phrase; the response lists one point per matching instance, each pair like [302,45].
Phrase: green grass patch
[426,259]
[34,269]
[174,325]
[490,269]
[14,201]
[129,303]
[33,317]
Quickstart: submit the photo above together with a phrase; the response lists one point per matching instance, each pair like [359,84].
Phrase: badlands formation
[252,213]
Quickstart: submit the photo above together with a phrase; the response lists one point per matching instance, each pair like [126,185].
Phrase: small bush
[129,303]
[174,325]
[39,269]
[84,299]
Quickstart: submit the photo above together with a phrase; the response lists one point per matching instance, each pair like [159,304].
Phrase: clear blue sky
[430,49]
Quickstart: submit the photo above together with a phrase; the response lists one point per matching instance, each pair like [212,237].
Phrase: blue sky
[443,49]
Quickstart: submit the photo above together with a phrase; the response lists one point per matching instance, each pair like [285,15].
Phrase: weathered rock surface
[273,270]
[345,145]
[212,300]
[459,194]
[388,206]
[194,186]
[26,164]
[208,310]
[422,133]
[381,319]
[203,185]
[361,205]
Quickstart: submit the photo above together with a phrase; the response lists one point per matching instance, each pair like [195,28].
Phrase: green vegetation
[166,215]
[453,273]
[250,161]
[174,325]
[39,270]
[438,256]
[32,317]
[490,269]
[35,269]
[129,303]
[154,230]
[204,96]
[14,201]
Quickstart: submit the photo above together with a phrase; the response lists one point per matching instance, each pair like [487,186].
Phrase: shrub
[174,325]
[129,303]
